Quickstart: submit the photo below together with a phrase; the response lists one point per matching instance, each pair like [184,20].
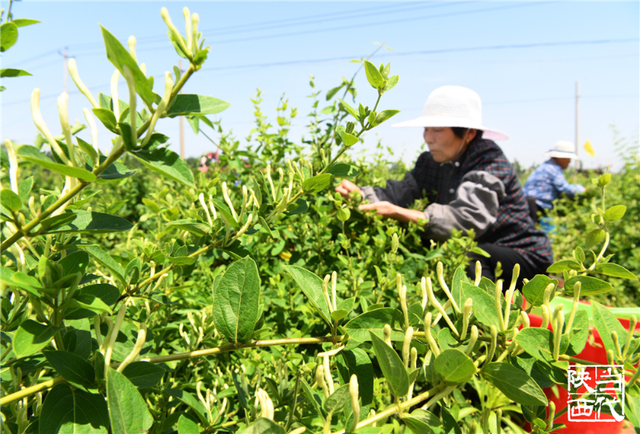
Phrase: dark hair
[460,132]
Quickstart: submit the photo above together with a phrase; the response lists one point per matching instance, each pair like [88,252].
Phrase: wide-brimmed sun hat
[563,149]
[453,106]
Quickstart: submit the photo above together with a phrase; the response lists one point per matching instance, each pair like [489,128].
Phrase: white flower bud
[131,42]
[354,392]
[73,72]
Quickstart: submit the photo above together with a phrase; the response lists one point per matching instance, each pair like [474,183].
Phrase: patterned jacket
[547,183]
[479,190]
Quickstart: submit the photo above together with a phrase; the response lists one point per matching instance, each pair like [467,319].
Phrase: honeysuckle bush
[252,299]
[572,218]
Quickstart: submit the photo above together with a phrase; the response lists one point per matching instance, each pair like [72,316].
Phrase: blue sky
[523,58]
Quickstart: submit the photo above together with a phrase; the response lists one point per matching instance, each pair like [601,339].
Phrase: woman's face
[443,144]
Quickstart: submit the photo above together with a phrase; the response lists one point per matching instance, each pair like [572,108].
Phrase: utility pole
[66,85]
[577,124]
[181,122]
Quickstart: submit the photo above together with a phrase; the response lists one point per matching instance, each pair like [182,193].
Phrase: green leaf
[85,222]
[374,322]
[264,426]
[22,22]
[615,270]
[20,280]
[421,421]
[391,83]
[484,306]
[8,36]
[72,367]
[144,374]
[606,322]
[70,410]
[338,400]
[167,163]
[87,302]
[236,301]
[187,426]
[579,333]
[108,119]
[119,56]
[594,237]
[533,290]
[184,105]
[331,92]
[31,337]
[76,262]
[125,133]
[590,285]
[385,115]
[311,285]
[10,200]
[189,400]
[192,226]
[157,139]
[359,363]
[339,314]
[105,259]
[24,189]
[457,293]
[391,366]
[300,207]
[614,213]
[317,183]
[564,265]
[343,214]
[454,366]
[353,112]
[225,213]
[632,405]
[344,170]
[10,72]
[537,342]
[127,409]
[347,139]
[515,384]
[115,170]
[33,155]
[374,77]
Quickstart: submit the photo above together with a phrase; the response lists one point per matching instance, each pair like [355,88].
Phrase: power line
[331,29]
[343,58]
[404,20]
[309,19]
[413,53]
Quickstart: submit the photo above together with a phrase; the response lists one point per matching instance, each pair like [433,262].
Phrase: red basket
[594,352]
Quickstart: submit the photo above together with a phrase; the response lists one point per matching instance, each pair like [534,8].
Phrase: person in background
[205,160]
[469,184]
[547,182]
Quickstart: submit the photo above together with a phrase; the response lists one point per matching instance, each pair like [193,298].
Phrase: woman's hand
[347,187]
[391,211]
[384,208]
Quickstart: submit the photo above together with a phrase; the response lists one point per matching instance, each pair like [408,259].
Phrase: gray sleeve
[368,193]
[475,207]
[402,193]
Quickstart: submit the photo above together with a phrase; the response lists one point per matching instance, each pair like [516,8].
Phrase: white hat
[453,106]
[563,149]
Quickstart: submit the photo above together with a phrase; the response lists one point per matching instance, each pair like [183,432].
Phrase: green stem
[398,408]
[233,347]
[295,401]
[30,391]
[576,360]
